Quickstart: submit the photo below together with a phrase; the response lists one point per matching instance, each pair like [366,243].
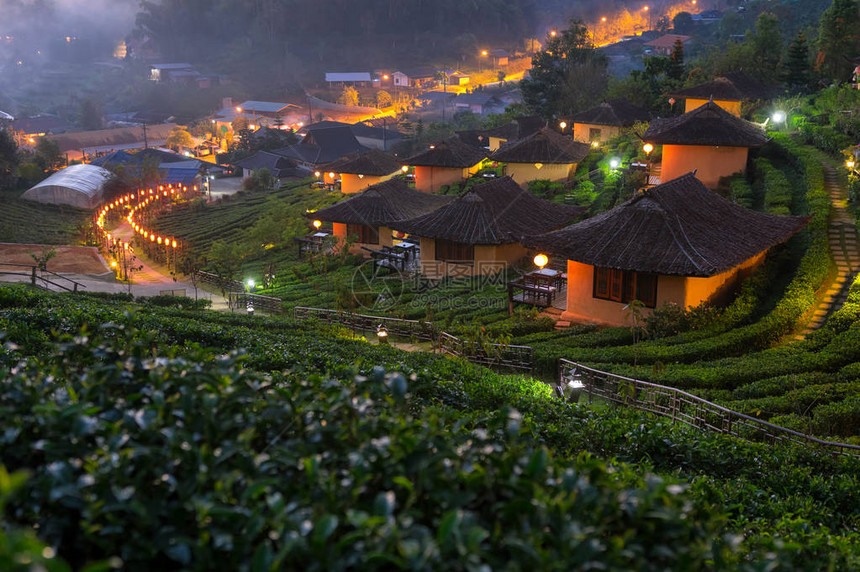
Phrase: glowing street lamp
[317,224]
[614,163]
[850,164]
[382,334]
[541,260]
[484,54]
[553,33]
[563,125]
[404,168]
[779,117]
[647,147]
[250,283]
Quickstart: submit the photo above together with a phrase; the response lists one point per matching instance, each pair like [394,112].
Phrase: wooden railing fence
[38,277]
[687,408]
[254,302]
[215,280]
[416,329]
[503,356]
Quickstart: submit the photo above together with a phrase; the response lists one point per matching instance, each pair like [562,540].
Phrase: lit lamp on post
[382,334]
[779,117]
[647,147]
[850,164]
[563,125]
[541,260]
[317,224]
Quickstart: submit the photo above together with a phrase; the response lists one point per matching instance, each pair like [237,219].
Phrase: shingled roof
[616,112]
[281,167]
[709,124]
[544,146]
[732,86]
[451,152]
[678,228]
[381,204]
[496,212]
[373,162]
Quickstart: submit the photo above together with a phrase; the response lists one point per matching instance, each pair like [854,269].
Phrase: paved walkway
[844,249]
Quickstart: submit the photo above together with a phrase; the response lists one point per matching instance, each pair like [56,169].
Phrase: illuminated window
[451,251]
[625,285]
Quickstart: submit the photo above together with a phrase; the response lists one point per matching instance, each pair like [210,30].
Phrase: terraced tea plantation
[138,436]
[35,223]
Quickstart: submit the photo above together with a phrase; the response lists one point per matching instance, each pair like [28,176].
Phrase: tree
[240,123]
[179,138]
[676,61]
[91,114]
[568,75]
[8,160]
[839,39]
[48,154]
[683,23]
[767,45]
[349,96]
[797,65]
[225,260]
[383,99]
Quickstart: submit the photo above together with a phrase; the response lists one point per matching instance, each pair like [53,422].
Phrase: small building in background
[368,216]
[282,168]
[480,232]
[82,145]
[544,154]
[447,162]
[664,45]
[79,186]
[341,79]
[677,243]
[730,91]
[605,121]
[420,78]
[172,72]
[358,171]
[708,140]
[479,103]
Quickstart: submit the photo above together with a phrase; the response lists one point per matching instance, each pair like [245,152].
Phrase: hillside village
[583,300]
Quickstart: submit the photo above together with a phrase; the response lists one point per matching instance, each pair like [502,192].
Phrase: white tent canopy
[79,185]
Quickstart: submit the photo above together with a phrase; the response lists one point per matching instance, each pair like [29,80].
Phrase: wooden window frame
[624,286]
[452,251]
[366,234]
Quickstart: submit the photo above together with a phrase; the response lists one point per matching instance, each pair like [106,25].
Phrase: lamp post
[382,334]
[484,54]
[541,260]
[562,125]
[647,147]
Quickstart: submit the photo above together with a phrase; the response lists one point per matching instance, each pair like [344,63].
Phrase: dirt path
[844,249]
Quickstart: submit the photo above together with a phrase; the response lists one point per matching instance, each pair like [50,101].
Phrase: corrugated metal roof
[347,76]
[264,106]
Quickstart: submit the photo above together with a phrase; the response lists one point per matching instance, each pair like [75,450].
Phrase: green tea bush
[196,462]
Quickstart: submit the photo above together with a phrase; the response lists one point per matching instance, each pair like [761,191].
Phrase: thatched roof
[451,152]
[544,146]
[614,112]
[517,128]
[496,212]
[709,124]
[678,228]
[732,86]
[381,204]
[373,162]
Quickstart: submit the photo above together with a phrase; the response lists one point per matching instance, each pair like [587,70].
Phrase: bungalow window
[594,133]
[451,251]
[366,234]
[625,285]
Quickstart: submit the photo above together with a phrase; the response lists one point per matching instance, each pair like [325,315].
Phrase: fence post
[33,276]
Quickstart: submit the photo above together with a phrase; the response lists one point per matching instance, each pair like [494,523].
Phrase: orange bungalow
[359,171]
[518,128]
[450,161]
[729,91]
[367,216]
[709,139]
[544,154]
[607,120]
[676,243]
[480,232]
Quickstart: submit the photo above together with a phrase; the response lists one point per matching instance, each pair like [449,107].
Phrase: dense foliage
[144,447]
